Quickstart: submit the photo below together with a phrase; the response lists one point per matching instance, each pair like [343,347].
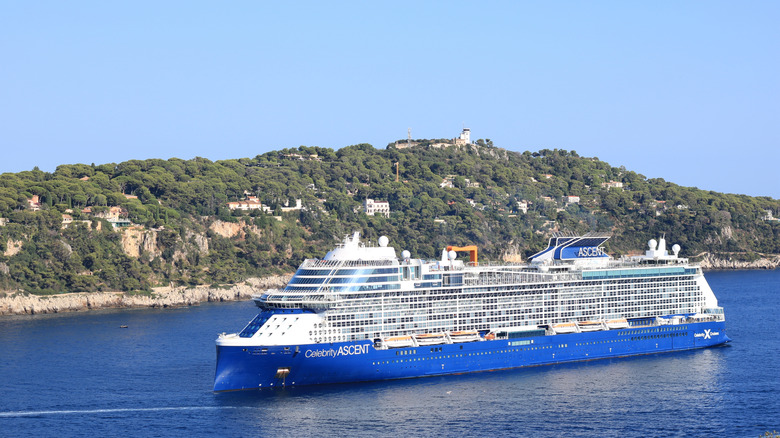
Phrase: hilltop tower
[465,137]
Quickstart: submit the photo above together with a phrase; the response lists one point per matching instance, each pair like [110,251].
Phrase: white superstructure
[362,291]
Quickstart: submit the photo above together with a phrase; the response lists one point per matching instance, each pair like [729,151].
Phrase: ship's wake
[13,414]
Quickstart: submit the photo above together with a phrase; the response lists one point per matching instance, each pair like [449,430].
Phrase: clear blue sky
[685,91]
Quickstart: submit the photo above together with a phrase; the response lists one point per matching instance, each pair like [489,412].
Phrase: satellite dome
[406,254]
[652,244]
[452,255]
[383,241]
[676,249]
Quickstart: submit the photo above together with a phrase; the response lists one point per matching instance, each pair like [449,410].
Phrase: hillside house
[372,207]
[287,208]
[522,206]
[115,215]
[612,184]
[250,203]
[34,203]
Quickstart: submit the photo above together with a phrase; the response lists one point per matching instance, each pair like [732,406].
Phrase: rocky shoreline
[710,262]
[24,304]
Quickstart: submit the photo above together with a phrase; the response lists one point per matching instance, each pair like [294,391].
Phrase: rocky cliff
[136,240]
[20,304]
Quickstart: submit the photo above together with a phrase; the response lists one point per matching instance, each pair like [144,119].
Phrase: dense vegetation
[184,201]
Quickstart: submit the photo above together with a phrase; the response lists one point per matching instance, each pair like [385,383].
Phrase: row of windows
[633,273]
[537,280]
[453,309]
[343,280]
[546,293]
[673,328]
[302,271]
[665,335]
[352,280]
[483,353]
[481,300]
[365,287]
[289,292]
[365,271]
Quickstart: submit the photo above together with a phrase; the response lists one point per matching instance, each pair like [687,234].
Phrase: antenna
[409,137]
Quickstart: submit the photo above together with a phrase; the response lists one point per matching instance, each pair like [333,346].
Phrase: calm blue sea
[80,374]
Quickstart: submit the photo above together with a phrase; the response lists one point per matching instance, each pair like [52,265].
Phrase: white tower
[465,136]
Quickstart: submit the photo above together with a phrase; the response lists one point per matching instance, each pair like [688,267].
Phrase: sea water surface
[80,374]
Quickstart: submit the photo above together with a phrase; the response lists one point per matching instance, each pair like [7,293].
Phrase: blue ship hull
[274,366]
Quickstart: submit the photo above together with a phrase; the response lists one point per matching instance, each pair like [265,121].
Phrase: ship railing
[660,322]
[491,263]
[631,263]
[620,263]
[609,263]
[318,263]
[284,299]
[705,318]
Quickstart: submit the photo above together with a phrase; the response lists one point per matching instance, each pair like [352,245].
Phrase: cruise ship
[362,314]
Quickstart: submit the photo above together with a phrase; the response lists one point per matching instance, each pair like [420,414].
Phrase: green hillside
[174,224]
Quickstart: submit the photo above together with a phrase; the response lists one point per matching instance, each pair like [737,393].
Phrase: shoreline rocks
[710,262]
[24,304]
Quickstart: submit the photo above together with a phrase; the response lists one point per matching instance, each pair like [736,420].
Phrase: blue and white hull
[313,364]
